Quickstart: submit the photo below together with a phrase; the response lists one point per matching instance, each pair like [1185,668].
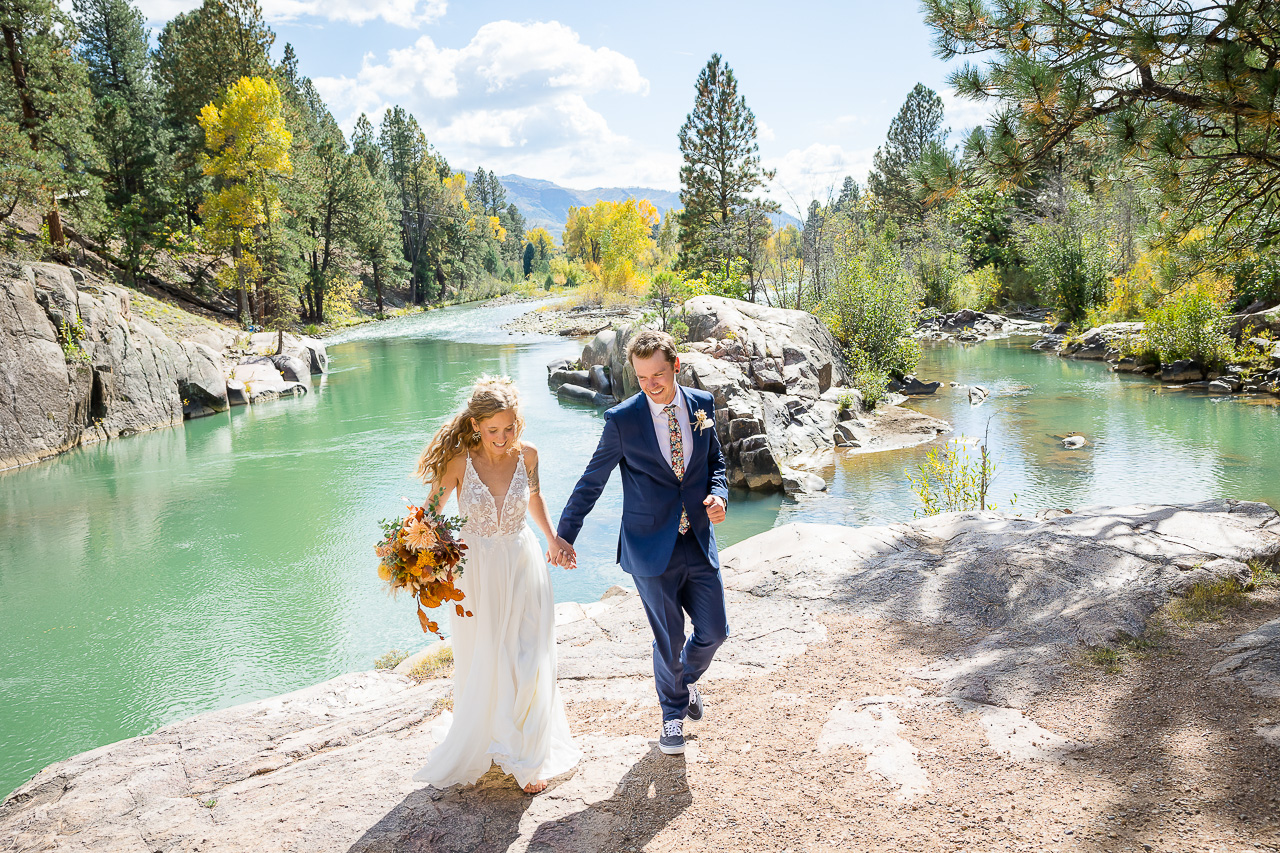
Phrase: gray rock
[1256,662]
[124,378]
[580,378]
[292,368]
[309,351]
[557,364]
[599,377]
[203,383]
[912,387]
[329,768]
[1226,385]
[977,395]
[262,382]
[1074,442]
[582,394]
[597,352]
[801,482]
[1182,370]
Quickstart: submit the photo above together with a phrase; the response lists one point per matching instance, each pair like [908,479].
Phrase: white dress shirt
[663,431]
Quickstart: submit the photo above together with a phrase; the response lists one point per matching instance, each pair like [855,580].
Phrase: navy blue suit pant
[689,585]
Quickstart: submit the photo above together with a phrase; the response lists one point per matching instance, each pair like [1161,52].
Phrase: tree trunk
[377,286]
[11,43]
[242,293]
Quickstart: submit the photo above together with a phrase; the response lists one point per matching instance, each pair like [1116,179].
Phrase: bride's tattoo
[534,487]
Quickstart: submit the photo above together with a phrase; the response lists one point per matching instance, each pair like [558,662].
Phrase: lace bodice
[484,515]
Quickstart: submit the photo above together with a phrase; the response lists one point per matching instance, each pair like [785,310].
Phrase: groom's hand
[561,553]
[715,508]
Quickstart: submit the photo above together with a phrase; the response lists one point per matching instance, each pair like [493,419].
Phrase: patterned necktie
[677,455]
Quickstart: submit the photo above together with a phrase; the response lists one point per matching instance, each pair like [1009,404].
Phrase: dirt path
[1173,762]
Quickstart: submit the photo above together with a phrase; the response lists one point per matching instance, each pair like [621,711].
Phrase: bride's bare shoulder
[454,469]
[530,452]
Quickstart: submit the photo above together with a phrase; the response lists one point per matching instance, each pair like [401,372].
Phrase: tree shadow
[651,795]
[460,819]
[486,817]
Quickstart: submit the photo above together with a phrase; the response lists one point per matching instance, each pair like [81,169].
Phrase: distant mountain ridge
[545,204]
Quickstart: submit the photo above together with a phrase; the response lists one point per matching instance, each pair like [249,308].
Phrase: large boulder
[203,384]
[309,351]
[79,366]
[292,369]
[778,380]
[1182,370]
[263,382]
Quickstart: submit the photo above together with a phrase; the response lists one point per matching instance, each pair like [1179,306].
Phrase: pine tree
[720,174]
[1187,93]
[45,111]
[915,132]
[127,129]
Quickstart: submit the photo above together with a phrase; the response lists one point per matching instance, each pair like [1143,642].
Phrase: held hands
[715,508]
[561,553]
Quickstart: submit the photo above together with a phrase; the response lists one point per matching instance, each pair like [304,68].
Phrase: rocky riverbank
[915,687]
[573,321]
[969,326]
[1114,343]
[80,365]
[784,401]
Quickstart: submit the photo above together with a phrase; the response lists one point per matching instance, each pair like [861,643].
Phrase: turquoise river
[149,579]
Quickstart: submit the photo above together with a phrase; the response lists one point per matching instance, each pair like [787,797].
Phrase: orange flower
[418,536]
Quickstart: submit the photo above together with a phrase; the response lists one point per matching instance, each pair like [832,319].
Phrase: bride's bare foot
[535,787]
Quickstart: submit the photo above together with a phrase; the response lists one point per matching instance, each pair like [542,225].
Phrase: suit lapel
[697,439]
[649,438]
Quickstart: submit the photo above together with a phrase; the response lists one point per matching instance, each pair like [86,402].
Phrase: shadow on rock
[481,817]
[494,815]
[652,794]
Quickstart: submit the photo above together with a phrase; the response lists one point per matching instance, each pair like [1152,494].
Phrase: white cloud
[403,13]
[765,132]
[963,114]
[514,99]
[816,172]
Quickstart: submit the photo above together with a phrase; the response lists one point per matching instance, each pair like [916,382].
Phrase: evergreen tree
[127,129]
[721,172]
[45,111]
[200,55]
[430,201]
[850,192]
[378,235]
[916,131]
[1186,92]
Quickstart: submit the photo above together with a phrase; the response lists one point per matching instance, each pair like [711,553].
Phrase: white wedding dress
[506,705]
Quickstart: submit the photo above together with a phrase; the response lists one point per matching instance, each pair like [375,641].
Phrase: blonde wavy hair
[489,396]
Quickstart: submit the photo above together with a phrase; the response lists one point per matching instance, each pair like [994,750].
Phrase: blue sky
[593,94]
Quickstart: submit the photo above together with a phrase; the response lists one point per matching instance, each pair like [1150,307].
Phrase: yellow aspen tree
[248,151]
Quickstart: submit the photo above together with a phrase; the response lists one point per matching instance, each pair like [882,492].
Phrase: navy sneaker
[696,708]
[672,740]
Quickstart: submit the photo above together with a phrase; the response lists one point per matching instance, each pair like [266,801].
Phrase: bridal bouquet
[422,553]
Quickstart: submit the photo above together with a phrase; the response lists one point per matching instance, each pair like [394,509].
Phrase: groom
[673,490]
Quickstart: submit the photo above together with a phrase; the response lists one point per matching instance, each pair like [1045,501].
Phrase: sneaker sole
[672,750]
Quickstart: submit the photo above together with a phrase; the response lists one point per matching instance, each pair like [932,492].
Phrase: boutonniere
[701,421]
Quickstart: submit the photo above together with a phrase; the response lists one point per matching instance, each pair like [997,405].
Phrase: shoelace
[672,728]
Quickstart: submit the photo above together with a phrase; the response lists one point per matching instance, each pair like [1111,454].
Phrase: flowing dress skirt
[506,704]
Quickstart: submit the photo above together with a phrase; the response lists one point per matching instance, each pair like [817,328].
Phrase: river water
[153,578]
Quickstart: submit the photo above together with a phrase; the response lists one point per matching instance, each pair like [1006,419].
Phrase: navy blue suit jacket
[652,496]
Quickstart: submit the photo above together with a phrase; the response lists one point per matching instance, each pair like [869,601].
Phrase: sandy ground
[1172,762]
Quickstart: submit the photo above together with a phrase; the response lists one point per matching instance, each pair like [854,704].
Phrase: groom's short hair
[650,341]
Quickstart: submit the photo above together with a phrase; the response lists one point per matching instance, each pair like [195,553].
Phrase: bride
[506,704]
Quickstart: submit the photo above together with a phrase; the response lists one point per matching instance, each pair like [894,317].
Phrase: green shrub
[390,660]
[870,308]
[1192,325]
[312,329]
[873,384]
[69,336]
[950,480]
